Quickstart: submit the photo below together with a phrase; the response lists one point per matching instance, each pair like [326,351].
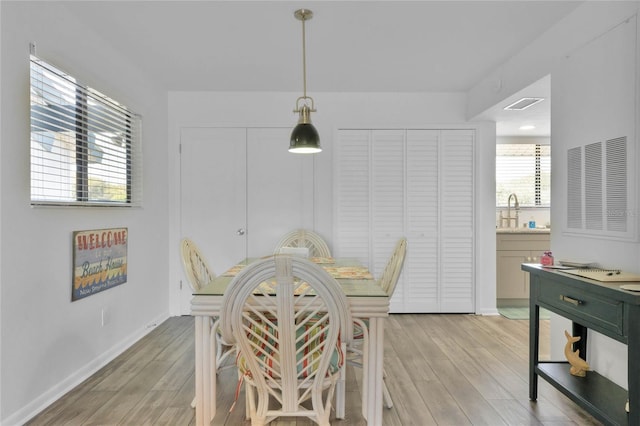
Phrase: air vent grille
[574,188]
[593,185]
[522,104]
[617,184]
[597,187]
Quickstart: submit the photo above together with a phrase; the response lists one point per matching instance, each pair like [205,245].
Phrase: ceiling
[509,123]
[352,46]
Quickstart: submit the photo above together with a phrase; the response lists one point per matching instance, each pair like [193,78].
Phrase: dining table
[367,301]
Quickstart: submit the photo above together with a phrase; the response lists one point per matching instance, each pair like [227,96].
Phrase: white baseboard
[489,312]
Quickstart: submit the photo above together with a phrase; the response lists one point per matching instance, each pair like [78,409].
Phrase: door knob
[240,231]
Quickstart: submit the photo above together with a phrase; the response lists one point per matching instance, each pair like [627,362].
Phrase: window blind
[525,170]
[85,146]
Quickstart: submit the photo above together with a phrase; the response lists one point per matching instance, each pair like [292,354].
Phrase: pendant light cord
[307,102]
[304,59]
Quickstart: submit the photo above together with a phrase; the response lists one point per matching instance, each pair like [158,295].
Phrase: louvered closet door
[421,290]
[388,196]
[353,185]
[457,221]
[417,184]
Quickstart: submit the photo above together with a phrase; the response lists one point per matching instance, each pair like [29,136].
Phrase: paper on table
[558,267]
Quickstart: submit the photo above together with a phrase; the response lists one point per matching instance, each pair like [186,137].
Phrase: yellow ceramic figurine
[579,366]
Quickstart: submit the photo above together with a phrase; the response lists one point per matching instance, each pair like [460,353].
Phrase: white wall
[532,63]
[48,343]
[592,56]
[595,96]
[335,110]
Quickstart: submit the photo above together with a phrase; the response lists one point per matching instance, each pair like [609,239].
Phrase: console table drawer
[586,308]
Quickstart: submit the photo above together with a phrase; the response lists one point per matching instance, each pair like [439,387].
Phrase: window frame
[100,162]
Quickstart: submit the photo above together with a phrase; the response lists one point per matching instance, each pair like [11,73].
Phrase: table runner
[338,272]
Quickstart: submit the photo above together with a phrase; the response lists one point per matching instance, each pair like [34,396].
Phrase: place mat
[269,287]
[234,270]
[322,260]
[349,272]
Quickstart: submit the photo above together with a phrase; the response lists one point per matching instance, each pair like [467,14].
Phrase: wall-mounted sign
[99,261]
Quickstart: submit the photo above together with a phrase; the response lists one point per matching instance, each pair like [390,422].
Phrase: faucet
[516,207]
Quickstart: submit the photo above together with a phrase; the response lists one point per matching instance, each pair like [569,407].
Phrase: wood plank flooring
[443,369]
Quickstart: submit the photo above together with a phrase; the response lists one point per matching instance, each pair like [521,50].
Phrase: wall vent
[593,186]
[597,188]
[574,188]
[617,206]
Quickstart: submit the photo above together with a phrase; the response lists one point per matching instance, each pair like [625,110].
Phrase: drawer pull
[570,300]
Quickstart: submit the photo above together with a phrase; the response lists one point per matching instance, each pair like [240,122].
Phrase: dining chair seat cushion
[308,338]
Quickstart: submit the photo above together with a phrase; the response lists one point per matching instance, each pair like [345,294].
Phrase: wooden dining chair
[291,323]
[198,275]
[195,265]
[305,238]
[388,281]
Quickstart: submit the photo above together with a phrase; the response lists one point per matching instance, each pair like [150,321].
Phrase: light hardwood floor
[442,370]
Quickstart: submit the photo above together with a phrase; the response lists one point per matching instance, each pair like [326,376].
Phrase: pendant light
[304,137]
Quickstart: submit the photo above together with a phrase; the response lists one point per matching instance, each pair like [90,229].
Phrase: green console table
[595,305]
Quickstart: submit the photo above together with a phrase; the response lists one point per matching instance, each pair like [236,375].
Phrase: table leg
[372,399]
[534,344]
[633,367]
[205,386]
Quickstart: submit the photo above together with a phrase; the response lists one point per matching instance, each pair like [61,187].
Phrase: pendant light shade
[304,137]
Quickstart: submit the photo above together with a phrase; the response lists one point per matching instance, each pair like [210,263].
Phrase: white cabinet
[417,184]
[514,249]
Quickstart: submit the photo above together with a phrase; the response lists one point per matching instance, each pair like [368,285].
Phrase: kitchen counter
[522,230]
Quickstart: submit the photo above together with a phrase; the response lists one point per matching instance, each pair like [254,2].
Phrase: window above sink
[523,169]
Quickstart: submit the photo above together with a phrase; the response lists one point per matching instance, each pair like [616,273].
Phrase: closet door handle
[570,300]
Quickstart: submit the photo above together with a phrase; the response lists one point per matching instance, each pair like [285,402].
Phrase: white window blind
[85,146]
[523,169]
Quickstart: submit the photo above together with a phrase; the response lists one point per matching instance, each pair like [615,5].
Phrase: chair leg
[385,390]
[386,395]
[341,389]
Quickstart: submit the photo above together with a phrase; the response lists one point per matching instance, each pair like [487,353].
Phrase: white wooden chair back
[306,239]
[392,270]
[195,265]
[291,323]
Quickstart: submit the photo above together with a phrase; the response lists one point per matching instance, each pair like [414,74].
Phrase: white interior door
[241,190]
[213,197]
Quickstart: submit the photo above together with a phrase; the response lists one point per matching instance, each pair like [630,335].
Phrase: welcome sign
[99,261]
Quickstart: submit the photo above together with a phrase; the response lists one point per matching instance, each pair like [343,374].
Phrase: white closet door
[457,221]
[241,190]
[213,197]
[352,195]
[417,184]
[421,288]
[388,198]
